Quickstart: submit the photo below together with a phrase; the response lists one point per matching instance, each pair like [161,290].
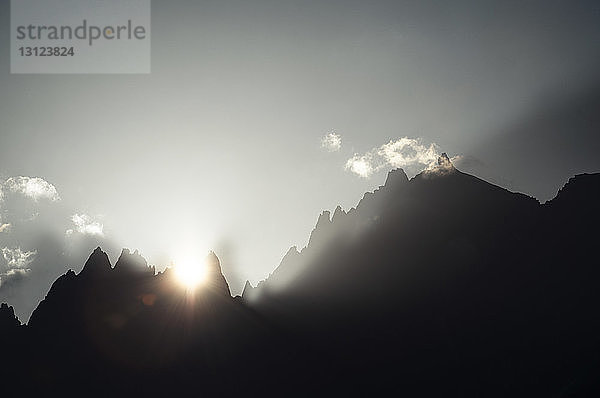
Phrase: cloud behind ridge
[408,153]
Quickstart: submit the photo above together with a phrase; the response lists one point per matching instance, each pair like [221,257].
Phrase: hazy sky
[221,145]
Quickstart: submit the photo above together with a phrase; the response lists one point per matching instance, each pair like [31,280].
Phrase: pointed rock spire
[132,263]
[97,264]
[338,213]
[444,161]
[8,319]
[215,279]
[291,253]
[322,227]
[324,219]
[396,177]
[443,167]
[247,289]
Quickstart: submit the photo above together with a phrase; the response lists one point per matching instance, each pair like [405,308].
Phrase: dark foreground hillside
[442,285]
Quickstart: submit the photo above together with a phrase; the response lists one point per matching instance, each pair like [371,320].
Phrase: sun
[190,271]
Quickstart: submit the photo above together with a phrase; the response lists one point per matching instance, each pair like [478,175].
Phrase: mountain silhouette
[8,320]
[442,284]
[438,218]
[447,278]
[110,327]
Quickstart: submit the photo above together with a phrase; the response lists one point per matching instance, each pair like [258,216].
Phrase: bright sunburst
[190,271]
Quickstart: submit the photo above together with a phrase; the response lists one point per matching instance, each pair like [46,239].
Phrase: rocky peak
[396,177]
[132,262]
[97,264]
[322,227]
[444,159]
[8,319]
[444,162]
[291,253]
[443,167]
[324,219]
[338,213]
[247,289]
[215,278]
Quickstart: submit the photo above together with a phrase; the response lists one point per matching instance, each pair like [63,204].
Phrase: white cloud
[16,271]
[33,187]
[332,142]
[361,165]
[86,225]
[405,152]
[17,259]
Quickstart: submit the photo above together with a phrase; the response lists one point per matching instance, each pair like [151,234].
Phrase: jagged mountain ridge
[401,202]
[139,323]
[8,319]
[446,265]
[443,284]
[102,297]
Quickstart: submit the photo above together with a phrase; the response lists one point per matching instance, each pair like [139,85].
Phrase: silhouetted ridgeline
[442,285]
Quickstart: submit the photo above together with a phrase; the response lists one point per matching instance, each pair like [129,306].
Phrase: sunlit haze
[258,115]
[306,198]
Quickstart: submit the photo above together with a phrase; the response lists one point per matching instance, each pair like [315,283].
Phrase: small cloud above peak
[331,142]
[87,225]
[361,165]
[407,153]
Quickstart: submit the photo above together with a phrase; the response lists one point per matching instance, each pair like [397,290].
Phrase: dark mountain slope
[113,328]
[442,285]
[444,276]
[438,219]
[8,321]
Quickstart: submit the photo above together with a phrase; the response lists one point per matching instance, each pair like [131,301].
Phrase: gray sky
[220,146]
